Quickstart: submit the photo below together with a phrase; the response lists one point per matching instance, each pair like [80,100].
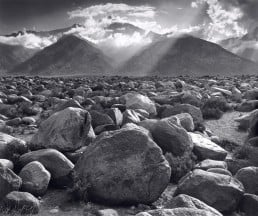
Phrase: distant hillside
[186,55]
[11,55]
[68,56]
[246,46]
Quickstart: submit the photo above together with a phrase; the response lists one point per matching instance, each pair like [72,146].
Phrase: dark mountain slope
[187,55]
[68,56]
[11,55]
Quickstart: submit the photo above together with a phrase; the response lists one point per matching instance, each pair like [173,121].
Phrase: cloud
[224,19]
[29,40]
[97,17]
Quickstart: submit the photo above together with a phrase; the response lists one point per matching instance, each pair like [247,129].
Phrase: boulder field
[121,144]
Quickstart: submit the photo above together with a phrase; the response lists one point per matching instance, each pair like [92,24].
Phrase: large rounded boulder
[67,130]
[219,191]
[122,167]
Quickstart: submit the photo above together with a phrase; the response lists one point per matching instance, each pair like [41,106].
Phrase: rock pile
[124,141]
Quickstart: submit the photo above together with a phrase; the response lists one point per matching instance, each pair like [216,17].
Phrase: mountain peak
[187,55]
[70,54]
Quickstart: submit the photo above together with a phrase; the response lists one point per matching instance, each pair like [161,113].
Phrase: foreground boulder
[23,202]
[177,212]
[219,191]
[54,161]
[206,149]
[35,178]
[249,178]
[9,181]
[122,167]
[66,130]
[185,201]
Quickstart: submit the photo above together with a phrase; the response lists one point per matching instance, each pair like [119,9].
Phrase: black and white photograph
[129,107]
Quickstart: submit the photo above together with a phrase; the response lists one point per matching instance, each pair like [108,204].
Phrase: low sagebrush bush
[214,107]
[180,166]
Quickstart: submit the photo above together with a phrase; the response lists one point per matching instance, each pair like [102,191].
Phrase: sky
[213,20]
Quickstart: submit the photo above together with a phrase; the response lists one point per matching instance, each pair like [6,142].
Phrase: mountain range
[246,46]
[164,56]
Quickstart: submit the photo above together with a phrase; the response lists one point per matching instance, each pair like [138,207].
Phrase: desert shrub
[77,190]
[214,107]
[243,152]
[212,113]
[180,166]
[228,145]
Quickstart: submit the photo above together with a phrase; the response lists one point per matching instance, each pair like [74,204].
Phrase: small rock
[249,205]
[185,201]
[138,101]
[177,212]
[249,178]
[208,164]
[6,164]
[219,171]
[9,181]
[219,191]
[54,161]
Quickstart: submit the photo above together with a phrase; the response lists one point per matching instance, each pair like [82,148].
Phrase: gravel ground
[226,128]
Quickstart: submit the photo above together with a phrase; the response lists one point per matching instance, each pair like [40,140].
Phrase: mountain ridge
[187,55]
[70,53]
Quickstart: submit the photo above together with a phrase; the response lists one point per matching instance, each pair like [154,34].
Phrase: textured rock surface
[249,178]
[206,149]
[66,130]
[54,161]
[9,181]
[219,191]
[35,178]
[123,167]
